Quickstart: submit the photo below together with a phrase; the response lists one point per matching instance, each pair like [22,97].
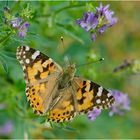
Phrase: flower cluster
[133,64]
[97,23]
[121,104]
[94,114]
[124,65]
[18,23]
[22,28]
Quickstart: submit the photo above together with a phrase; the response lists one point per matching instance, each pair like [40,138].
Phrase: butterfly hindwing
[38,70]
[64,110]
[90,95]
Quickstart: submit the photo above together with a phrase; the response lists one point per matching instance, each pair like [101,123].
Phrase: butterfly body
[67,76]
[50,88]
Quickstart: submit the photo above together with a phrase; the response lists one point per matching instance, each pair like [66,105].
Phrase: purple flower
[23,29]
[110,20]
[121,104]
[88,22]
[94,114]
[97,22]
[107,14]
[7,128]
[15,23]
[93,36]
[101,10]
[123,66]
[102,29]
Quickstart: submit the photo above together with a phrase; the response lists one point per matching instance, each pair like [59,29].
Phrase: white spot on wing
[108,94]
[98,101]
[18,53]
[100,89]
[103,102]
[27,61]
[27,48]
[35,55]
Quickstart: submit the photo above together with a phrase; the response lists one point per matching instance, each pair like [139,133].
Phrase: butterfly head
[71,69]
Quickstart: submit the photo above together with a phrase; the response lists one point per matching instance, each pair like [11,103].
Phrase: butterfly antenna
[101,59]
[66,59]
[63,45]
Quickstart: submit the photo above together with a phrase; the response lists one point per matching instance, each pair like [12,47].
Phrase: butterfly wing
[80,97]
[89,95]
[64,110]
[38,70]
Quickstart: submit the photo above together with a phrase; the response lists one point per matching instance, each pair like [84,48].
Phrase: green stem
[60,10]
[68,7]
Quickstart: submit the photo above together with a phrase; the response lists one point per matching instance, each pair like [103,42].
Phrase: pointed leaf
[4,64]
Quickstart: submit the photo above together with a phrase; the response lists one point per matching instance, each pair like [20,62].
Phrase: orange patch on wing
[31,74]
[32,71]
[79,94]
[81,84]
[38,66]
[86,98]
[44,74]
[35,101]
[51,68]
[61,114]
[66,103]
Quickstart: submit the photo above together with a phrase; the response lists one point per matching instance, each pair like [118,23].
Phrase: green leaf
[9,55]
[69,128]
[64,127]
[4,64]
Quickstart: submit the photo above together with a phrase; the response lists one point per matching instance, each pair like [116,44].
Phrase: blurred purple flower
[103,11]
[88,22]
[15,23]
[121,104]
[93,36]
[7,128]
[98,22]
[102,29]
[124,65]
[111,20]
[23,29]
[94,114]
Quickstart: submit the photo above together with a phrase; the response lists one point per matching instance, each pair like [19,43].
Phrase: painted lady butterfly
[50,88]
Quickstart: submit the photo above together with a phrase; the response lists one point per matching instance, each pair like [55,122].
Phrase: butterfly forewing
[90,95]
[36,65]
[41,74]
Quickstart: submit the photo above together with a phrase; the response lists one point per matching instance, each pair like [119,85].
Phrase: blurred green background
[50,21]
